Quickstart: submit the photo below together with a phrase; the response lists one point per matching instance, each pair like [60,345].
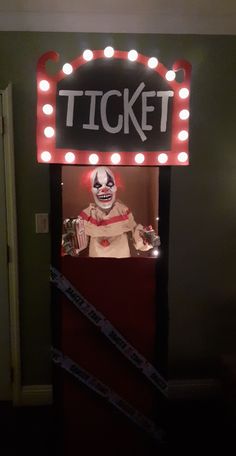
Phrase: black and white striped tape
[108,394]
[109,331]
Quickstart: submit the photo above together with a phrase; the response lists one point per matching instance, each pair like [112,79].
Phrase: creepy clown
[106,224]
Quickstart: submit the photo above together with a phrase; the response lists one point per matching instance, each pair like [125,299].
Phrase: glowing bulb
[46,156]
[49,132]
[88,55]
[47,109]
[162,158]
[155,252]
[109,52]
[70,157]
[67,68]
[139,158]
[44,85]
[170,75]
[182,157]
[93,158]
[183,135]
[132,55]
[115,158]
[152,62]
[184,114]
[184,93]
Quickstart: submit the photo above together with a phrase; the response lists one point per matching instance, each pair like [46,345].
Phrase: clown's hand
[145,238]
[150,236]
[74,238]
[140,243]
[68,247]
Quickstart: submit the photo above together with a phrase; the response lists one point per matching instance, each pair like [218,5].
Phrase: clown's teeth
[104,197]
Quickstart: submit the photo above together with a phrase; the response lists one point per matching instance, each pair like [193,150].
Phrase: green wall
[202,282]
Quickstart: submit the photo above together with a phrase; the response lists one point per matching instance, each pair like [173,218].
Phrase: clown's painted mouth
[105,197]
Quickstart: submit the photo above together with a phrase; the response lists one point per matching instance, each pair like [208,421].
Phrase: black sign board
[109,105]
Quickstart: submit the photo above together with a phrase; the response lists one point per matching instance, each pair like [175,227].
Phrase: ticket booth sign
[115,108]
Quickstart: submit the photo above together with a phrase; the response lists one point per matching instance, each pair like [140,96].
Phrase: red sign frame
[47,152]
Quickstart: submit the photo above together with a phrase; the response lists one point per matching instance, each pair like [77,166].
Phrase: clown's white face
[103,187]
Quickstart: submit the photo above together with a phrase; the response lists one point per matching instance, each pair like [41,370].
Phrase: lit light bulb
[88,55]
[109,52]
[46,156]
[44,85]
[162,158]
[182,157]
[93,159]
[170,75]
[132,55]
[49,132]
[70,157]
[155,252]
[115,158]
[139,158]
[184,114]
[152,62]
[183,135]
[47,109]
[67,68]
[184,93]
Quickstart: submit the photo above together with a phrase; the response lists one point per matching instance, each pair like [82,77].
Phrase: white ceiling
[131,16]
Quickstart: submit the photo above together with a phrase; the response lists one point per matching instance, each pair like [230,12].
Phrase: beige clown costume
[105,224]
[108,232]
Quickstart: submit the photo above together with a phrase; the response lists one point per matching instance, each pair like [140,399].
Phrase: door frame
[11,228]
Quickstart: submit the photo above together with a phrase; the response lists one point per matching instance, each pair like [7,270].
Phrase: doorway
[5,364]
[130,292]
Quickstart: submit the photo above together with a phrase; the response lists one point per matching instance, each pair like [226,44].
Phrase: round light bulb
[109,52]
[44,85]
[162,158]
[115,158]
[182,157]
[46,156]
[49,132]
[170,75]
[67,68]
[152,62]
[69,157]
[183,135]
[47,109]
[132,55]
[93,159]
[88,55]
[184,93]
[139,158]
[184,114]
[155,252]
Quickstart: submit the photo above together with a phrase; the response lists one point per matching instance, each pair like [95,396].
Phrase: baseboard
[194,388]
[33,395]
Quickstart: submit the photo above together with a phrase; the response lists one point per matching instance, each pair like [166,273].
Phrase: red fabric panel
[124,291]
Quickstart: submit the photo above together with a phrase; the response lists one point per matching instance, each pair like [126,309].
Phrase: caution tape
[109,331]
[108,394]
